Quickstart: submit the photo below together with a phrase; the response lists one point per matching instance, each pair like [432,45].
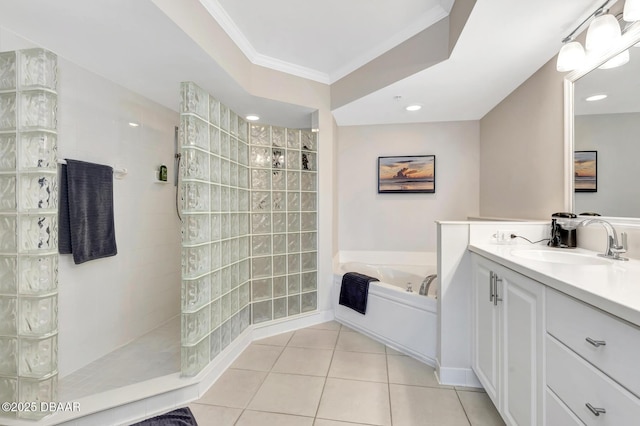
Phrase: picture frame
[407,174]
[585,168]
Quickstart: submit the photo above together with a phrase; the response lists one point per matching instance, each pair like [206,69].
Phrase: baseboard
[457,376]
[272,328]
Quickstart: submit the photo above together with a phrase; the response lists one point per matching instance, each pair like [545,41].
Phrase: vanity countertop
[613,287]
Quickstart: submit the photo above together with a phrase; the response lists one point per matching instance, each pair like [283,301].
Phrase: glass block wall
[215,228]
[249,231]
[283,222]
[28,229]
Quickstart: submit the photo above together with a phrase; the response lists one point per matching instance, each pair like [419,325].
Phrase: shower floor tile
[154,354]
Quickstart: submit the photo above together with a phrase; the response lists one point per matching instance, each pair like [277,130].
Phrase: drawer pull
[596,343]
[491,296]
[496,299]
[596,411]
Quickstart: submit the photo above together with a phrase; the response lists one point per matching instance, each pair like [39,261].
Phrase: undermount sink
[562,257]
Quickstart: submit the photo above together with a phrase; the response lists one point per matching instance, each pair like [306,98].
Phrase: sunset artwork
[415,173]
[586,171]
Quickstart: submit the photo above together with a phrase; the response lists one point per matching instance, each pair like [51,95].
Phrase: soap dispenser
[563,230]
[162,173]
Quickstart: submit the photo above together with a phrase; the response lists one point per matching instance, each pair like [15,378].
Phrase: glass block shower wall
[283,222]
[28,229]
[215,228]
[249,231]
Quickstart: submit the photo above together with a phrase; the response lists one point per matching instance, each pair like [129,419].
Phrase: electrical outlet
[503,236]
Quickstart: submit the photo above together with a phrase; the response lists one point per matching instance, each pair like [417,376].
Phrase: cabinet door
[522,340]
[486,328]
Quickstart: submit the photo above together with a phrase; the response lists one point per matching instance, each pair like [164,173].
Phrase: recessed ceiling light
[595,98]
[252,117]
[413,107]
[133,124]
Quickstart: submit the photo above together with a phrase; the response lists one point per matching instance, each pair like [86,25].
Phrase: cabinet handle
[491,277]
[496,280]
[596,411]
[596,343]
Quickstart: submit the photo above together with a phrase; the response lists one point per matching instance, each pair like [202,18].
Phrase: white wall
[105,303]
[615,137]
[404,222]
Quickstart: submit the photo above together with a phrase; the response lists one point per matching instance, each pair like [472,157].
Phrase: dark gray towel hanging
[86,225]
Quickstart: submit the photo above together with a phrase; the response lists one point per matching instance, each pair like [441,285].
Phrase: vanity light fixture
[604,30]
[631,11]
[572,56]
[594,98]
[252,117]
[133,124]
[414,107]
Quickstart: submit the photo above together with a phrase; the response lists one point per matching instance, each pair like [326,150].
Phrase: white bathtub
[404,321]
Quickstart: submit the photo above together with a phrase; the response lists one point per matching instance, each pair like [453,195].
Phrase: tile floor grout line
[326,377]
[463,409]
[257,389]
[386,360]
[281,413]
[238,419]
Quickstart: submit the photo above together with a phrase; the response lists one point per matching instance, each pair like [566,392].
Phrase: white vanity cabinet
[544,355]
[592,362]
[508,340]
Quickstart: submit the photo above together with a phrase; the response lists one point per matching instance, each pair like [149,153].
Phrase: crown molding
[221,16]
[229,26]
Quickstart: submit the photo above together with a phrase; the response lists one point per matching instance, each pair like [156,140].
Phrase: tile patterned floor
[330,375]
[155,354]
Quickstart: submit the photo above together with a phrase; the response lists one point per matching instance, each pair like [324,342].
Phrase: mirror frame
[629,39]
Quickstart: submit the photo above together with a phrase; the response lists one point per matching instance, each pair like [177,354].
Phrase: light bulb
[603,32]
[571,57]
[631,11]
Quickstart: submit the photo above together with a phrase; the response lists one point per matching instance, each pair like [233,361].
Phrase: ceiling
[323,40]
[136,45]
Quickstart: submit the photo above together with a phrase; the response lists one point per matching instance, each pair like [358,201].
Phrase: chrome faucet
[426,283]
[614,249]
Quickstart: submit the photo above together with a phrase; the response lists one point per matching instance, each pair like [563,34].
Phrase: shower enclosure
[249,235]
[249,232]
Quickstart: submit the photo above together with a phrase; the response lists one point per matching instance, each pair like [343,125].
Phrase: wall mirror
[602,137]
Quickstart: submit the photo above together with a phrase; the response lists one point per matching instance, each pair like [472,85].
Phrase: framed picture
[585,167]
[411,173]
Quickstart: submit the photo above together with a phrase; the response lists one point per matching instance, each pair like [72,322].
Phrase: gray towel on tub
[85,221]
[354,291]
